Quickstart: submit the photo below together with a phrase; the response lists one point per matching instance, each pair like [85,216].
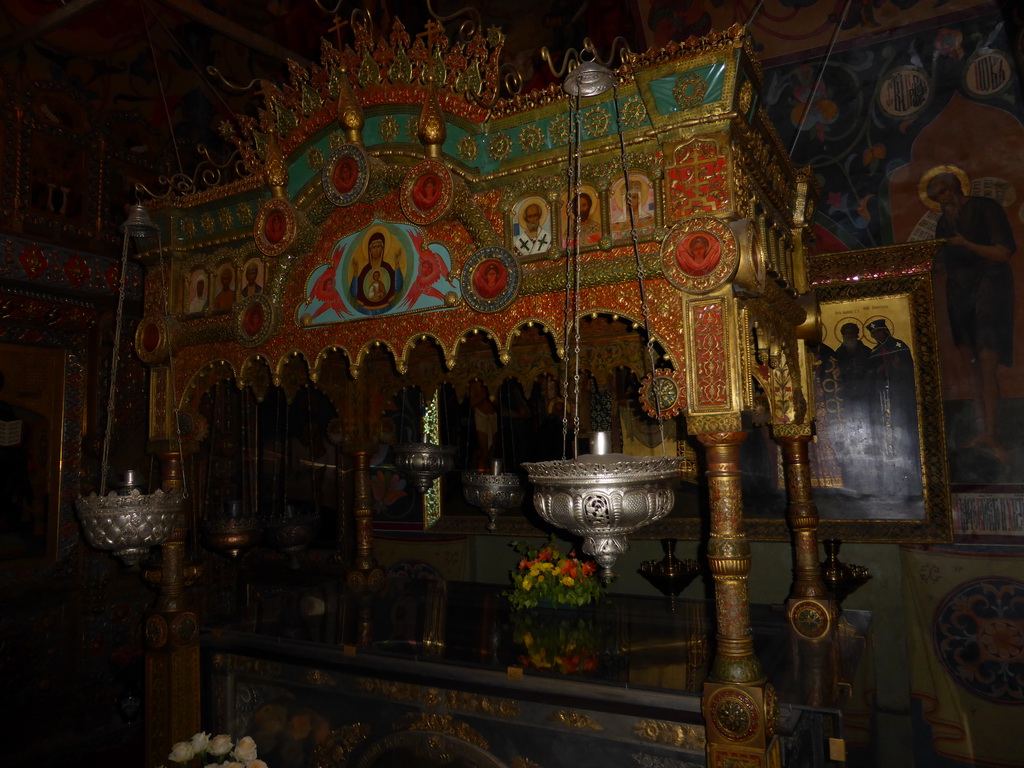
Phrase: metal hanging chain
[578,225]
[114,361]
[170,362]
[641,273]
[569,241]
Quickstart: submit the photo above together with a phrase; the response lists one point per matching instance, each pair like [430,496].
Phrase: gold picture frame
[891,284]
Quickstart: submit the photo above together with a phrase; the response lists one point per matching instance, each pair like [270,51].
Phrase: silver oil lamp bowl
[422,463]
[493,492]
[603,497]
[127,521]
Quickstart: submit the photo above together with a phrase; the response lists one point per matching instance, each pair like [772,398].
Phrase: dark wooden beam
[63,15]
[228,28]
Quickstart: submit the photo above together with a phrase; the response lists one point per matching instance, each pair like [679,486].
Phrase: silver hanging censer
[603,497]
[126,521]
[493,492]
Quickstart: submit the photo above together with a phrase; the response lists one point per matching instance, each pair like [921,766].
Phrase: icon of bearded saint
[532,232]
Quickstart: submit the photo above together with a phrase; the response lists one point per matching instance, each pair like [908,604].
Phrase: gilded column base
[812,618]
[740,722]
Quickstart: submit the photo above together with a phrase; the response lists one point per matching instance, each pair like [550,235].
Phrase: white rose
[181,752]
[220,744]
[245,750]
[200,742]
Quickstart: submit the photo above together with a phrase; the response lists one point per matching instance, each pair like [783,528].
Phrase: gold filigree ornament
[499,147]
[412,129]
[560,130]
[689,90]
[734,714]
[276,226]
[746,97]
[596,122]
[315,158]
[388,128]
[531,139]
[634,112]
[467,149]
[810,619]
[663,393]
[771,710]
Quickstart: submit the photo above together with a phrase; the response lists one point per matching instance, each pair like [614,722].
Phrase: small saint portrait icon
[426,191]
[254,319]
[198,295]
[531,230]
[698,253]
[632,205]
[226,293]
[490,278]
[274,226]
[345,174]
[253,272]
[582,214]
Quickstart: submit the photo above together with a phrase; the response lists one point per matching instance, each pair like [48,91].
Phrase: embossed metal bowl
[603,497]
[422,463]
[128,524]
[231,536]
[493,493]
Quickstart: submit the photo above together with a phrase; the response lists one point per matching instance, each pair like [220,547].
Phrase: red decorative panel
[697,180]
[77,270]
[32,261]
[710,358]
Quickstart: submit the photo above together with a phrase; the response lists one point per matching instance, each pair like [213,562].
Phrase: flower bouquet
[218,750]
[547,578]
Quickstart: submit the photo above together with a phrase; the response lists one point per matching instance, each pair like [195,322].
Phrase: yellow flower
[567,581]
[527,584]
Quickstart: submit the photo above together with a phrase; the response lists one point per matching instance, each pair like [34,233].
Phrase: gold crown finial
[433,130]
[275,170]
[350,111]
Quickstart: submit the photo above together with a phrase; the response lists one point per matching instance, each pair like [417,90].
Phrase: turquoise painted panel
[663,89]
[299,172]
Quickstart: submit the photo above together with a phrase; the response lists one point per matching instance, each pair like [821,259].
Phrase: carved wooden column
[171,639]
[809,608]
[366,577]
[740,710]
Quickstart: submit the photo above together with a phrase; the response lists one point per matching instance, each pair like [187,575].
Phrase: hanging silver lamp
[126,521]
[600,496]
[422,463]
[603,497]
[493,492]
